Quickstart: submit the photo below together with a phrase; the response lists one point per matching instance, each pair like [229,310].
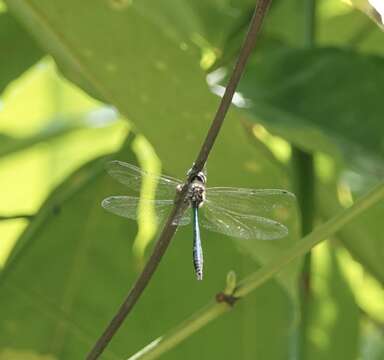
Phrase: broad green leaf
[138,60]
[153,86]
[321,100]
[19,51]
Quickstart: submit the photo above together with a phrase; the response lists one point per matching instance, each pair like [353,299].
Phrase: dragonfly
[235,212]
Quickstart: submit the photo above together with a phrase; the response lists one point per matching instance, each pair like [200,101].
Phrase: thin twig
[215,309]
[16,217]
[305,189]
[169,228]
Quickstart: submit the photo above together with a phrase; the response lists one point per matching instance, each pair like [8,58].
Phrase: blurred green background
[86,81]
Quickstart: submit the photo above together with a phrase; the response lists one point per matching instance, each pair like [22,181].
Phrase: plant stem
[181,332]
[253,281]
[170,229]
[305,190]
[304,187]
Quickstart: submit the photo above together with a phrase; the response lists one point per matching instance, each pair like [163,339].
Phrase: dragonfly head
[200,176]
[196,190]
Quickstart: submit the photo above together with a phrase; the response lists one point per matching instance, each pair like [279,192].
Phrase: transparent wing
[132,177]
[273,204]
[242,226]
[127,206]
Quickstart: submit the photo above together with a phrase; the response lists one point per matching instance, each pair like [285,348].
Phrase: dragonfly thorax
[196,193]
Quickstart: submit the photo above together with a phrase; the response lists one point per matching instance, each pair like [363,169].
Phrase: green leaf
[19,48]
[157,84]
[319,98]
[137,58]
